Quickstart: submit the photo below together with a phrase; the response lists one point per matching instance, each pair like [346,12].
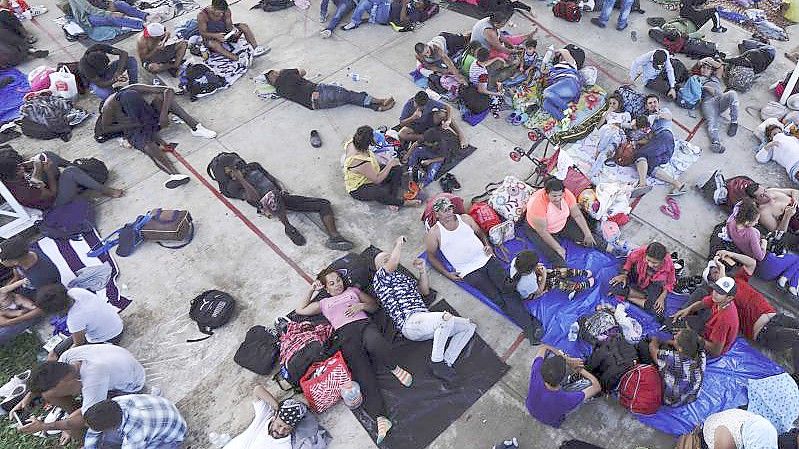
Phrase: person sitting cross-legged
[721,328]
[647,276]
[215,23]
[155,54]
[417,116]
[402,298]
[467,249]
[533,279]
[681,362]
[135,421]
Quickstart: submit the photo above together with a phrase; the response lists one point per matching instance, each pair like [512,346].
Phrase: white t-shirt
[618,118]
[528,284]
[257,434]
[92,314]
[104,368]
[787,153]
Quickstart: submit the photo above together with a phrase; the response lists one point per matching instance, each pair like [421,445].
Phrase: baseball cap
[725,286]
[13,248]
[441,204]
[154,29]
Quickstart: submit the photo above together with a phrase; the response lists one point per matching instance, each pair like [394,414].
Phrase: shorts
[163,55]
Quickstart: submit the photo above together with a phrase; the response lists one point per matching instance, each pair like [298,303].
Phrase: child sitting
[530,63]
[532,279]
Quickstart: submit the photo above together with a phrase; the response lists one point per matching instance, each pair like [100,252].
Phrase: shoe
[442,371]
[296,237]
[621,27]
[598,22]
[38,53]
[176,181]
[339,243]
[640,191]
[349,26]
[445,184]
[507,444]
[732,130]
[37,10]
[718,29]
[717,147]
[260,51]
[201,131]
[325,34]
[453,182]
[316,139]
[14,397]
[282,324]
[655,21]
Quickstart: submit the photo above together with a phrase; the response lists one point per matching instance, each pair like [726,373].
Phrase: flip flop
[675,208]
[681,191]
[640,191]
[316,139]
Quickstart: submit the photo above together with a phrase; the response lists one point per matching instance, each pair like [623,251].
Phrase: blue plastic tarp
[726,378]
[12,94]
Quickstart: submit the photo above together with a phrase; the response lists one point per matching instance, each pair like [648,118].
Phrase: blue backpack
[690,93]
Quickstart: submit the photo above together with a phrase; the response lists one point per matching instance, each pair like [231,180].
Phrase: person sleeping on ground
[715,101]
[611,131]
[681,362]
[130,114]
[547,399]
[552,213]
[266,193]
[90,318]
[292,85]
[782,148]
[532,279]
[38,183]
[646,277]
[366,180]
[417,116]
[114,18]
[563,81]
[91,372]
[777,208]
[155,54]
[401,15]
[402,298]
[364,347]
[215,23]
[466,247]
[656,150]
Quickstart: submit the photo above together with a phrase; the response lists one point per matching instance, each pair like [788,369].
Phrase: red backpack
[484,215]
[641,390]
[567,10]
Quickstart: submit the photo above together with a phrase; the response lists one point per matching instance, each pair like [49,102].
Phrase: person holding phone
[216,27]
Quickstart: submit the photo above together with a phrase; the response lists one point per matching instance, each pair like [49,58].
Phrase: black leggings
[701,16]
[71,180]
[366,349]
[386,192]
[297,203]
[781,333]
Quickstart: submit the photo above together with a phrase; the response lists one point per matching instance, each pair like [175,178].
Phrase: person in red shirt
[759,320]
[721,329]
[646,278]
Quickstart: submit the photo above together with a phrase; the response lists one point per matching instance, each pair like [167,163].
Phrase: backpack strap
[205,330]
[181,245]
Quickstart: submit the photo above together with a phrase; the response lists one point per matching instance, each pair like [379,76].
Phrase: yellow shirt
[352,179]
[792,13]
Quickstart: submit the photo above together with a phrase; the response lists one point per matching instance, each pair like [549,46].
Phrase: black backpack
[216,171]
[93,167]
[211,309]
[200,80]
[258,353]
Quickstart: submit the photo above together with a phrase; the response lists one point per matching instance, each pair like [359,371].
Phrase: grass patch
[15,357]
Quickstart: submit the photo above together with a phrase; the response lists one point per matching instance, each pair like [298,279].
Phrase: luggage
[690,93]
[510,198]
[63,83]
[698,48]
[502,232]
[625,154]
[611,360]
[567,10]
[301,345]
[211,309]
[740,78]
[169,225]
[474,101]
[216,171]
[641,390]
[484,215]
[323,382]
[598,327]
[576,181]
[258,352]
[633,101]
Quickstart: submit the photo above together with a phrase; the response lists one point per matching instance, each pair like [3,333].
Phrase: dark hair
[53,298]
[524,263]
[770,128]
[656,250]
[646,99]
[482,54]
[48,375]
[323,274]
[97,60]
[499,18]
[642,121]
[104,415]
[690,343]
[9,160]
[419,47]
[618,98]
[747,211]
[554,370]
[659,57]
[531,42]
[751,189]
[553,184]
[421,98]
[219,4]
[364,136]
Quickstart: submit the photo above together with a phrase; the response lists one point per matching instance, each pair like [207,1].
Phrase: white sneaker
[37,10]
[176,181]
[202,131]
[260,51]
[325,34]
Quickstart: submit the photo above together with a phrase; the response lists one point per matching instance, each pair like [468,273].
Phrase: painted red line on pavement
[599,67]
[53,38]
[243,218]
[513,347]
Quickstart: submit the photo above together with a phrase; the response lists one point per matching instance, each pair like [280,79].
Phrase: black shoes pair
[443,371]
[449,183]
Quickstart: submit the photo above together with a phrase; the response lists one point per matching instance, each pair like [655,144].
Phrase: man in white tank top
[467,249]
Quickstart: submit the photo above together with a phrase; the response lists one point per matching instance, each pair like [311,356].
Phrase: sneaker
[732,129]
[718,29]
[176,181]
[295,236]
[442,371]
[325,34]
[339,243]
[507,444]
[622,27]
[37,10]
[598,22]
[201,131]
[453,182]
[445,184]
[260,51]
[282,324]
[717,147]
[349,26]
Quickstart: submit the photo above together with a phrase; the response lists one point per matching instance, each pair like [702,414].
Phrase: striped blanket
[69,256]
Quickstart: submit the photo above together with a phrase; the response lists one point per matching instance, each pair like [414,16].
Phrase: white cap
[154,29]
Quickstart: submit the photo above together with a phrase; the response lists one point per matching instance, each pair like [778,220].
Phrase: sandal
[404,377]
[640,191]
[682,190]
[316,139]
[339,243]
[383,426]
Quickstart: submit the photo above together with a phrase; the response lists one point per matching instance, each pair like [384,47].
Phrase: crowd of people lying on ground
[474,74]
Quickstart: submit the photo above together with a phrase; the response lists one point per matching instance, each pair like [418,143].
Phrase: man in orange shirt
[553,212]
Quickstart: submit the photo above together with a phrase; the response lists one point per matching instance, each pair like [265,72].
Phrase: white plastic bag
[63,84]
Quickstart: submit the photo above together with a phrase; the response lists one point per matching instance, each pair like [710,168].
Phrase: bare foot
[393,208]
[115,193]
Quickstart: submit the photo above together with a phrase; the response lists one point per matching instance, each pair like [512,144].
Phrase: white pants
[431,325]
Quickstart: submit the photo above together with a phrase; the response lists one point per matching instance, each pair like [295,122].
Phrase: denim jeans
[366,6]
[331,96]
[422,326]
[134,18]
[133,77]
[713,107]
[8,333]
[113,440]
[610,137]
[624,12]
[341,11]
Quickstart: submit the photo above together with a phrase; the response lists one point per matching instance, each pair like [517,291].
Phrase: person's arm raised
[307,306]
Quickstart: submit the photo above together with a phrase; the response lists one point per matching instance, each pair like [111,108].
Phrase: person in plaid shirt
[134,421]
[681,363]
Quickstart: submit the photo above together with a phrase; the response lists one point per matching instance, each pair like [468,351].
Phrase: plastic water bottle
[574,329]
[548,56]
[218,440]
[351,394]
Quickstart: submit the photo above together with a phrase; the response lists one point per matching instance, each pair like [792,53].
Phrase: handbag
[502,232]
[510,198]
[169,225]
[625,154]
[63,84]
[322,383]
